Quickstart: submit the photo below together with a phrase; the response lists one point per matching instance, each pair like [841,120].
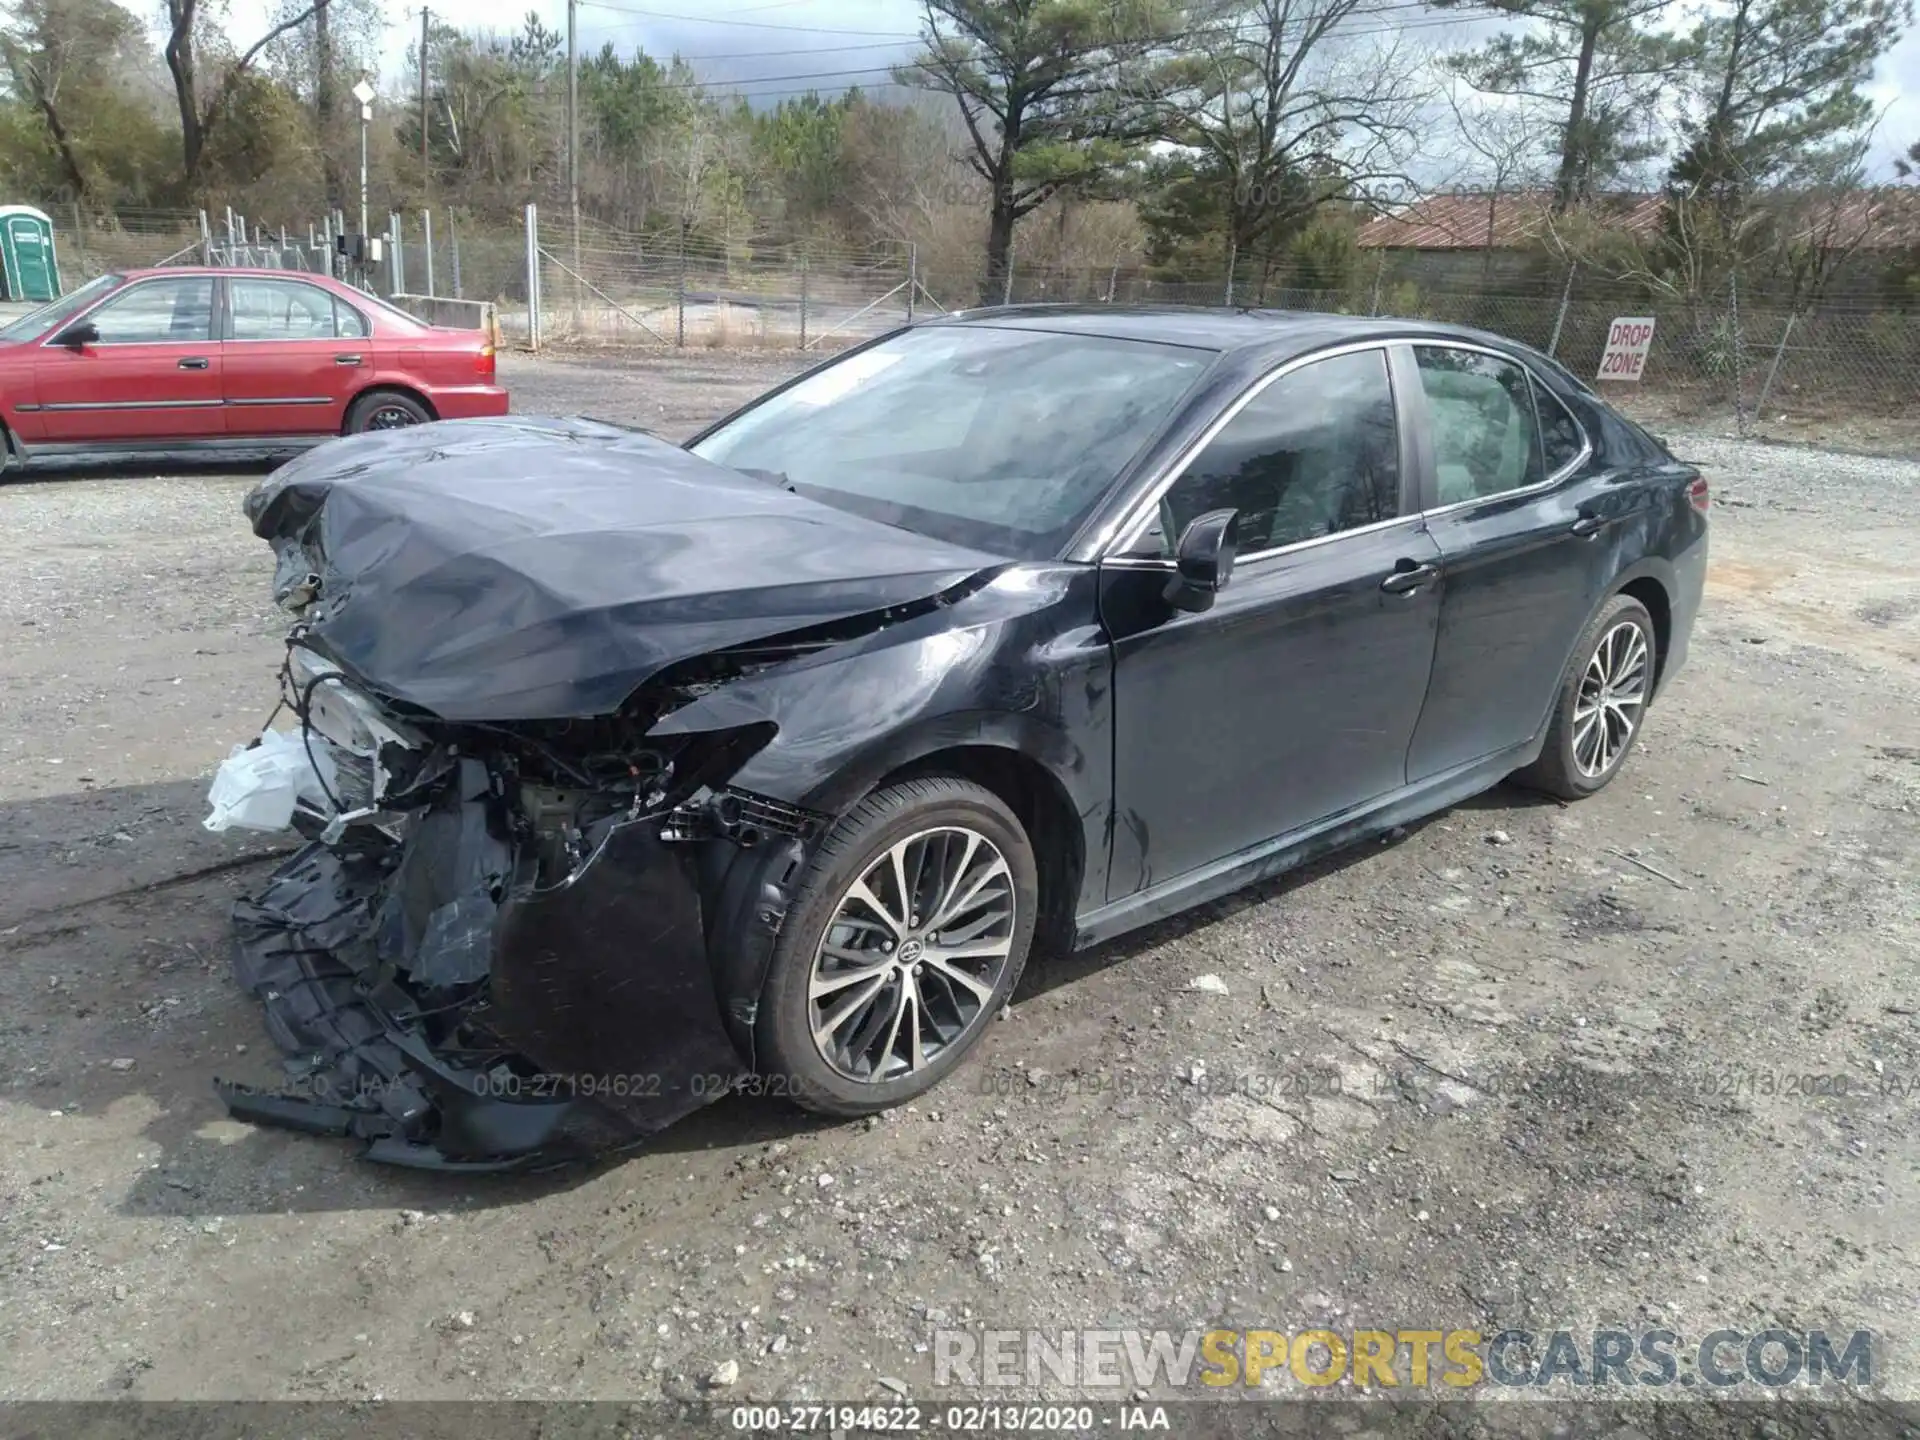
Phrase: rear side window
[279,310]
[1486,440]
[1315,453]
[1560,434]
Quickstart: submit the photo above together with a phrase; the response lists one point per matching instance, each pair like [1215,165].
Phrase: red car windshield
[36,323]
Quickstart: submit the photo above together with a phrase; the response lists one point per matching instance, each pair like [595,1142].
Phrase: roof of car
[1213,328]
[253,272]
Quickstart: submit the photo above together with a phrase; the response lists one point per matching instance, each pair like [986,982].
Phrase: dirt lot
[1570,1083]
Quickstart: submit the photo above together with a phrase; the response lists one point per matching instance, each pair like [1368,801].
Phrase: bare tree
[1509,143]
[1277,110]
[199,119]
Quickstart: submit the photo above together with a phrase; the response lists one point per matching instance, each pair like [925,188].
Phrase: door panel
[154,373]
[291,367]
[1292,699]
[1518,589]
[1520,579]
[1295,695]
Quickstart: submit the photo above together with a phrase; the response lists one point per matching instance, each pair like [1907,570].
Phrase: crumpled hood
[525,568]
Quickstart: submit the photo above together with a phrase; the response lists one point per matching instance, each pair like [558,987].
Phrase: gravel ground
[1568,1039]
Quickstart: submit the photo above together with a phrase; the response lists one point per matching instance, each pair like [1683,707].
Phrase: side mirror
[1203,560]
[75,336]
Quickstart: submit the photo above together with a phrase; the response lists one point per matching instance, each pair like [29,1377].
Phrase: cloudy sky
[774,47]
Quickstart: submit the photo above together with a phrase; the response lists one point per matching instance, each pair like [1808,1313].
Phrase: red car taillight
[1697,493]
[484,363]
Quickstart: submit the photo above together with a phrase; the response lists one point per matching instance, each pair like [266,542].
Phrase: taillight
[485,363]
[1697,493]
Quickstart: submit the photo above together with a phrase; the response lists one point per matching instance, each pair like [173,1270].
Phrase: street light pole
[363,92]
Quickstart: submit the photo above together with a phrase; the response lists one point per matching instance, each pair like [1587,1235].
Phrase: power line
[1432,22]
[1242,29]
[785,54]
[744,24]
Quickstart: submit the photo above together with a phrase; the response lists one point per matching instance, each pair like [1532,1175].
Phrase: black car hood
[524,568]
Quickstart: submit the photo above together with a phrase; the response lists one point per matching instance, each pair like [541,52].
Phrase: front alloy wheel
[906,934]
[913,954]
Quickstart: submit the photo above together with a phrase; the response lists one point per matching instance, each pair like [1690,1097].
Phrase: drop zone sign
[1628,340]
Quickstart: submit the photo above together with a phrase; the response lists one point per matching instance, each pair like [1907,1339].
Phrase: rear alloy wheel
[1601,703]
[909,933]
[385,410]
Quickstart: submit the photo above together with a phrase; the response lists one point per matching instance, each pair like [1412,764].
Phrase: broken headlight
[371,756]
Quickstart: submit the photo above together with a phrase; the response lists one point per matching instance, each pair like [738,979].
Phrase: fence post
[1379,271]
[803,299]
[1739,355]
[533,277]
[1113,283]
[1766,387]
[1233,260]
[1560,320]
[453,244]
[1006,290]
[206,240]
[680,291]
[426,218]
[913,276]
[396,264]
[80,237]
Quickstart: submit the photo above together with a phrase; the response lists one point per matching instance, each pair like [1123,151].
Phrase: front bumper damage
[471,971]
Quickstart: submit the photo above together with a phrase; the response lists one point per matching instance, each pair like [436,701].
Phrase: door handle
[346,359]
[1589,525]
[1408,577]
[194,362]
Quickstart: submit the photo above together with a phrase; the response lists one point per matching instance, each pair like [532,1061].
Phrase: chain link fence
[1842,373]
[606,286]
[1731,359]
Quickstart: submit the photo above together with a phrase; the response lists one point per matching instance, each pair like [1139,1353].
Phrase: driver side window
[1314,453]
[158,312]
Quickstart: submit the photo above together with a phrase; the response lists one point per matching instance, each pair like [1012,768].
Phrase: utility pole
[573,135]
[426,165]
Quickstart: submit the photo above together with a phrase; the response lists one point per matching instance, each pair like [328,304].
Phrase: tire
[1570,764]
[929,821]
[385,410]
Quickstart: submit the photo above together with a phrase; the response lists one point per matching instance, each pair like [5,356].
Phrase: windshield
[36,323]
[1000,439]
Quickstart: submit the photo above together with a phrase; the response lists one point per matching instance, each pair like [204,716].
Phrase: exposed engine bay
[454,960]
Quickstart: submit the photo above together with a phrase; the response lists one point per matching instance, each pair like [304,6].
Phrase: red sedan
[188,360]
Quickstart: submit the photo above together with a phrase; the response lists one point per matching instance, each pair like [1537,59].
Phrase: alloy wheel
[913,955]
[1613,694]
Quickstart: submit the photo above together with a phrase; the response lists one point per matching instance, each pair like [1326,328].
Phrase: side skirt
[94,452]
[1290,851]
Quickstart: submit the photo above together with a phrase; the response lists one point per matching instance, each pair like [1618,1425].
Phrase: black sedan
[637,774]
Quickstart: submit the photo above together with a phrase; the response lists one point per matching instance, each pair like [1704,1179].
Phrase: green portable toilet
[28,270]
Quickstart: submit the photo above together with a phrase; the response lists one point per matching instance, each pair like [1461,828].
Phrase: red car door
[150,369]
[294,356]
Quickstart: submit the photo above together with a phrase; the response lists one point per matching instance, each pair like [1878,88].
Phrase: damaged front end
[493,951]
[534,917]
